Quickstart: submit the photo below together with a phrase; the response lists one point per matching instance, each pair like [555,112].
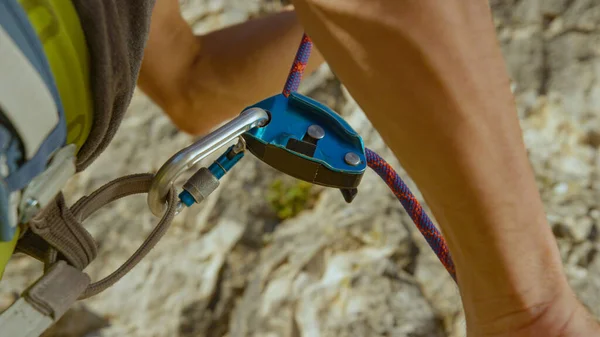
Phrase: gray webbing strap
[57,290]
[134,184]
[61,228]
[44,302]
[58,226]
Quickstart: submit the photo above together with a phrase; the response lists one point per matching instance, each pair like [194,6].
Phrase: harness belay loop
[60,227]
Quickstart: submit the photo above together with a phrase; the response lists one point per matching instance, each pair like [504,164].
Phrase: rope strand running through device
[429,231]
[412,206]
[300,61]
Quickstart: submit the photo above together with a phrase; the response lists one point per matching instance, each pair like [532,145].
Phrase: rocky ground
[232,266]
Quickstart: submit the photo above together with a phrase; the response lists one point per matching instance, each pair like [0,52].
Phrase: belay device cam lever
[307,140]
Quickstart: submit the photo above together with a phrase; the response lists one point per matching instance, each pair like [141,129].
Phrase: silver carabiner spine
[191,155]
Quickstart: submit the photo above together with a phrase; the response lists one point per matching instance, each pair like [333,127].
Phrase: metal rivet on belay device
[316,132]
[352,158]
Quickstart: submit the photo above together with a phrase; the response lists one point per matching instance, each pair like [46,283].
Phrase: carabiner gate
[191,155]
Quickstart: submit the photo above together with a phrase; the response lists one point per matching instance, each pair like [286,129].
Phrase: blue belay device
[332,155]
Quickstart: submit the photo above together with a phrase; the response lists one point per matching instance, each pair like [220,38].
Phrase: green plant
[290,198]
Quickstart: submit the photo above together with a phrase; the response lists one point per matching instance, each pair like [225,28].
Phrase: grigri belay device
[300,137]
[309,141]
[295,135]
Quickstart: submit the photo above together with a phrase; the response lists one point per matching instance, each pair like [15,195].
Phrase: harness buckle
[43,188]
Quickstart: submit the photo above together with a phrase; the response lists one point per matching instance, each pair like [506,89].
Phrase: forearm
[218,74]
[246,64]
[430,76]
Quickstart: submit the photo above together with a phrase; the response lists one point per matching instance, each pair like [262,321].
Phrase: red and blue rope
[429,231]
[300,61]
[412,206]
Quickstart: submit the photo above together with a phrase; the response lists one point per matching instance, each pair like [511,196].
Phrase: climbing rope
[300,61]
[412,206]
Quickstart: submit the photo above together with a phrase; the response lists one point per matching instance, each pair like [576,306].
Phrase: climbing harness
[290,132]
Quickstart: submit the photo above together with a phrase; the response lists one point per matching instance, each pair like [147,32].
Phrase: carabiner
[191,155]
